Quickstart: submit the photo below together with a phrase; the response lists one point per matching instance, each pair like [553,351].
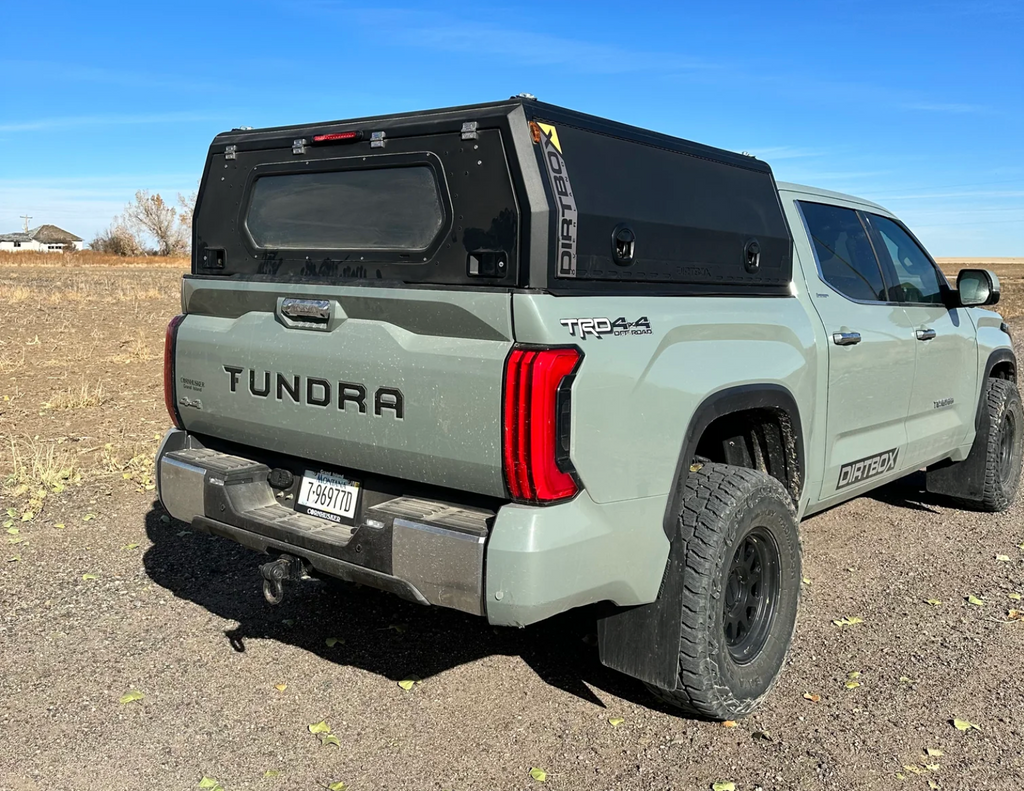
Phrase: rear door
[871,352]
[943,403]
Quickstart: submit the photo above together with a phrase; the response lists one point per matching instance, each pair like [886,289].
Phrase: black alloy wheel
[750,595]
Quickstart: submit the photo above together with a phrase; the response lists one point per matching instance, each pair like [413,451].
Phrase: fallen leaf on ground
[805,581]
[975,601]
[333,641]
[409,683]
[852,684]
[538,774]
[851,621]
[933,602]
[811,697]
[1014,596]
[128,697]
[280,687]
[12,512]
[917,770]
[339,786]
[730,724]
[8,522]
[88,517]
[28,516]
[320,727]
[965,725]
[853,674]
[615,722]
[933,752]
[208,782]
[906,680]
[1003,558]
[761,736]
[723,785]
[932,767]
[88,576]
[271,773]
[933,785]
[15,540]
[329,738]
[59,525]
[1013,615]
[14,559]
[130,546]
[13,531]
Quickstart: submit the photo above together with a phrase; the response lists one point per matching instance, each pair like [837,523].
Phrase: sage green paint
[450,434]
[542,561]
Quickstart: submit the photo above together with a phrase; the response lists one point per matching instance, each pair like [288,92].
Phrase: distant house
[44,238]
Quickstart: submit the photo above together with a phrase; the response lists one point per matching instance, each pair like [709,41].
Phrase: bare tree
[151,215]
[186,208]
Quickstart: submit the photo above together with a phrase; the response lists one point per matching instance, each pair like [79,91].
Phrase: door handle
[845,338]
[925,335]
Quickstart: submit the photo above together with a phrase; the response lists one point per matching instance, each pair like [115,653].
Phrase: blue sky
[919,106]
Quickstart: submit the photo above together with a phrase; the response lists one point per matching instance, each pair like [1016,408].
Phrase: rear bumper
[516,565]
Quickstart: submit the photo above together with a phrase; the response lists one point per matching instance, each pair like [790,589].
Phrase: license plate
[328,496]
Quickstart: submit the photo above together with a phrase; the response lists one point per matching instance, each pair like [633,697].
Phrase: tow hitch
[275,573]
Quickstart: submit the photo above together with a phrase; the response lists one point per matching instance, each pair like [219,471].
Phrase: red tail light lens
[170,338]
[535,439]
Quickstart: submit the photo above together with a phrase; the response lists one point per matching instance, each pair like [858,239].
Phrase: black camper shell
[513,194]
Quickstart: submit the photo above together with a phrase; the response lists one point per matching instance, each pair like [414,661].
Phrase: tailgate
[399,382]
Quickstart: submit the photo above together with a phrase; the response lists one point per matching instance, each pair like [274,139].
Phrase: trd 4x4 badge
[599,327]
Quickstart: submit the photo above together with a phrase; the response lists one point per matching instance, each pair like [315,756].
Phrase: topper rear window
[397,208]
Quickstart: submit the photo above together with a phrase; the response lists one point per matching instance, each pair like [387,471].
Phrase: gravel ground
[181,618]
[121,598]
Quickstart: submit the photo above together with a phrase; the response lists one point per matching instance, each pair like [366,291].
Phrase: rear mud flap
[643,641]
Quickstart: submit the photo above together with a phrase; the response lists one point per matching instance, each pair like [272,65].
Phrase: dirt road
[109,596]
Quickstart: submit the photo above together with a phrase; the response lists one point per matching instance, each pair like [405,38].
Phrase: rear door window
[846,259]
[916,276]
[372,209]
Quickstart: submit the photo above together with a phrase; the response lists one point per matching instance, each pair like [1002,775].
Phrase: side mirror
[977,287]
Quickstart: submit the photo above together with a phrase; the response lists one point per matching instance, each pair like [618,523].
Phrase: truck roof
[818,192]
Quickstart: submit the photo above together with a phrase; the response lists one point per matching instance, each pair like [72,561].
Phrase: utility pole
[26,218]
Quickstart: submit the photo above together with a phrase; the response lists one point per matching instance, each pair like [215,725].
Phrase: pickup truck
[512,359]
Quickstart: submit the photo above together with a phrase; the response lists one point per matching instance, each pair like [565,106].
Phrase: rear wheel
[740,591]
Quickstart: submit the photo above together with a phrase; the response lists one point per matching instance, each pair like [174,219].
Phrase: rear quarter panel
[634,394]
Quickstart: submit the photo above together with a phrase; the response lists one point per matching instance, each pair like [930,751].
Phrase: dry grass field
[101,594]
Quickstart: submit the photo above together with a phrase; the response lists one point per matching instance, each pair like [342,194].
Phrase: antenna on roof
[26,218]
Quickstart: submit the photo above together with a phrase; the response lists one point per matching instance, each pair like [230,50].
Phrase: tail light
[170,339]
[536,423]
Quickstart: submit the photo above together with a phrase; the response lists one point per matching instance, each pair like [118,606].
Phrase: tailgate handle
[306,311]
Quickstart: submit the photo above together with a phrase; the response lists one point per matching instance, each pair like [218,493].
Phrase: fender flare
[643,641]
[1000,355]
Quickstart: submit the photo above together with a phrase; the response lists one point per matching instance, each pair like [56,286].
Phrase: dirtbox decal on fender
[558,177]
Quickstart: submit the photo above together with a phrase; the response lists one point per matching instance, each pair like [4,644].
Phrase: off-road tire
[722,506]
[1005,422]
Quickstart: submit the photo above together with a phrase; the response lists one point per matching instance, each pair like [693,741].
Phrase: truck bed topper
[513,194]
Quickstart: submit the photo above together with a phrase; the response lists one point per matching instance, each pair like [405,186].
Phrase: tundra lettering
[317,391]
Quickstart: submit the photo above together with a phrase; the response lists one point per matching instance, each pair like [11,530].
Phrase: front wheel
[1002,445]
[740,590]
